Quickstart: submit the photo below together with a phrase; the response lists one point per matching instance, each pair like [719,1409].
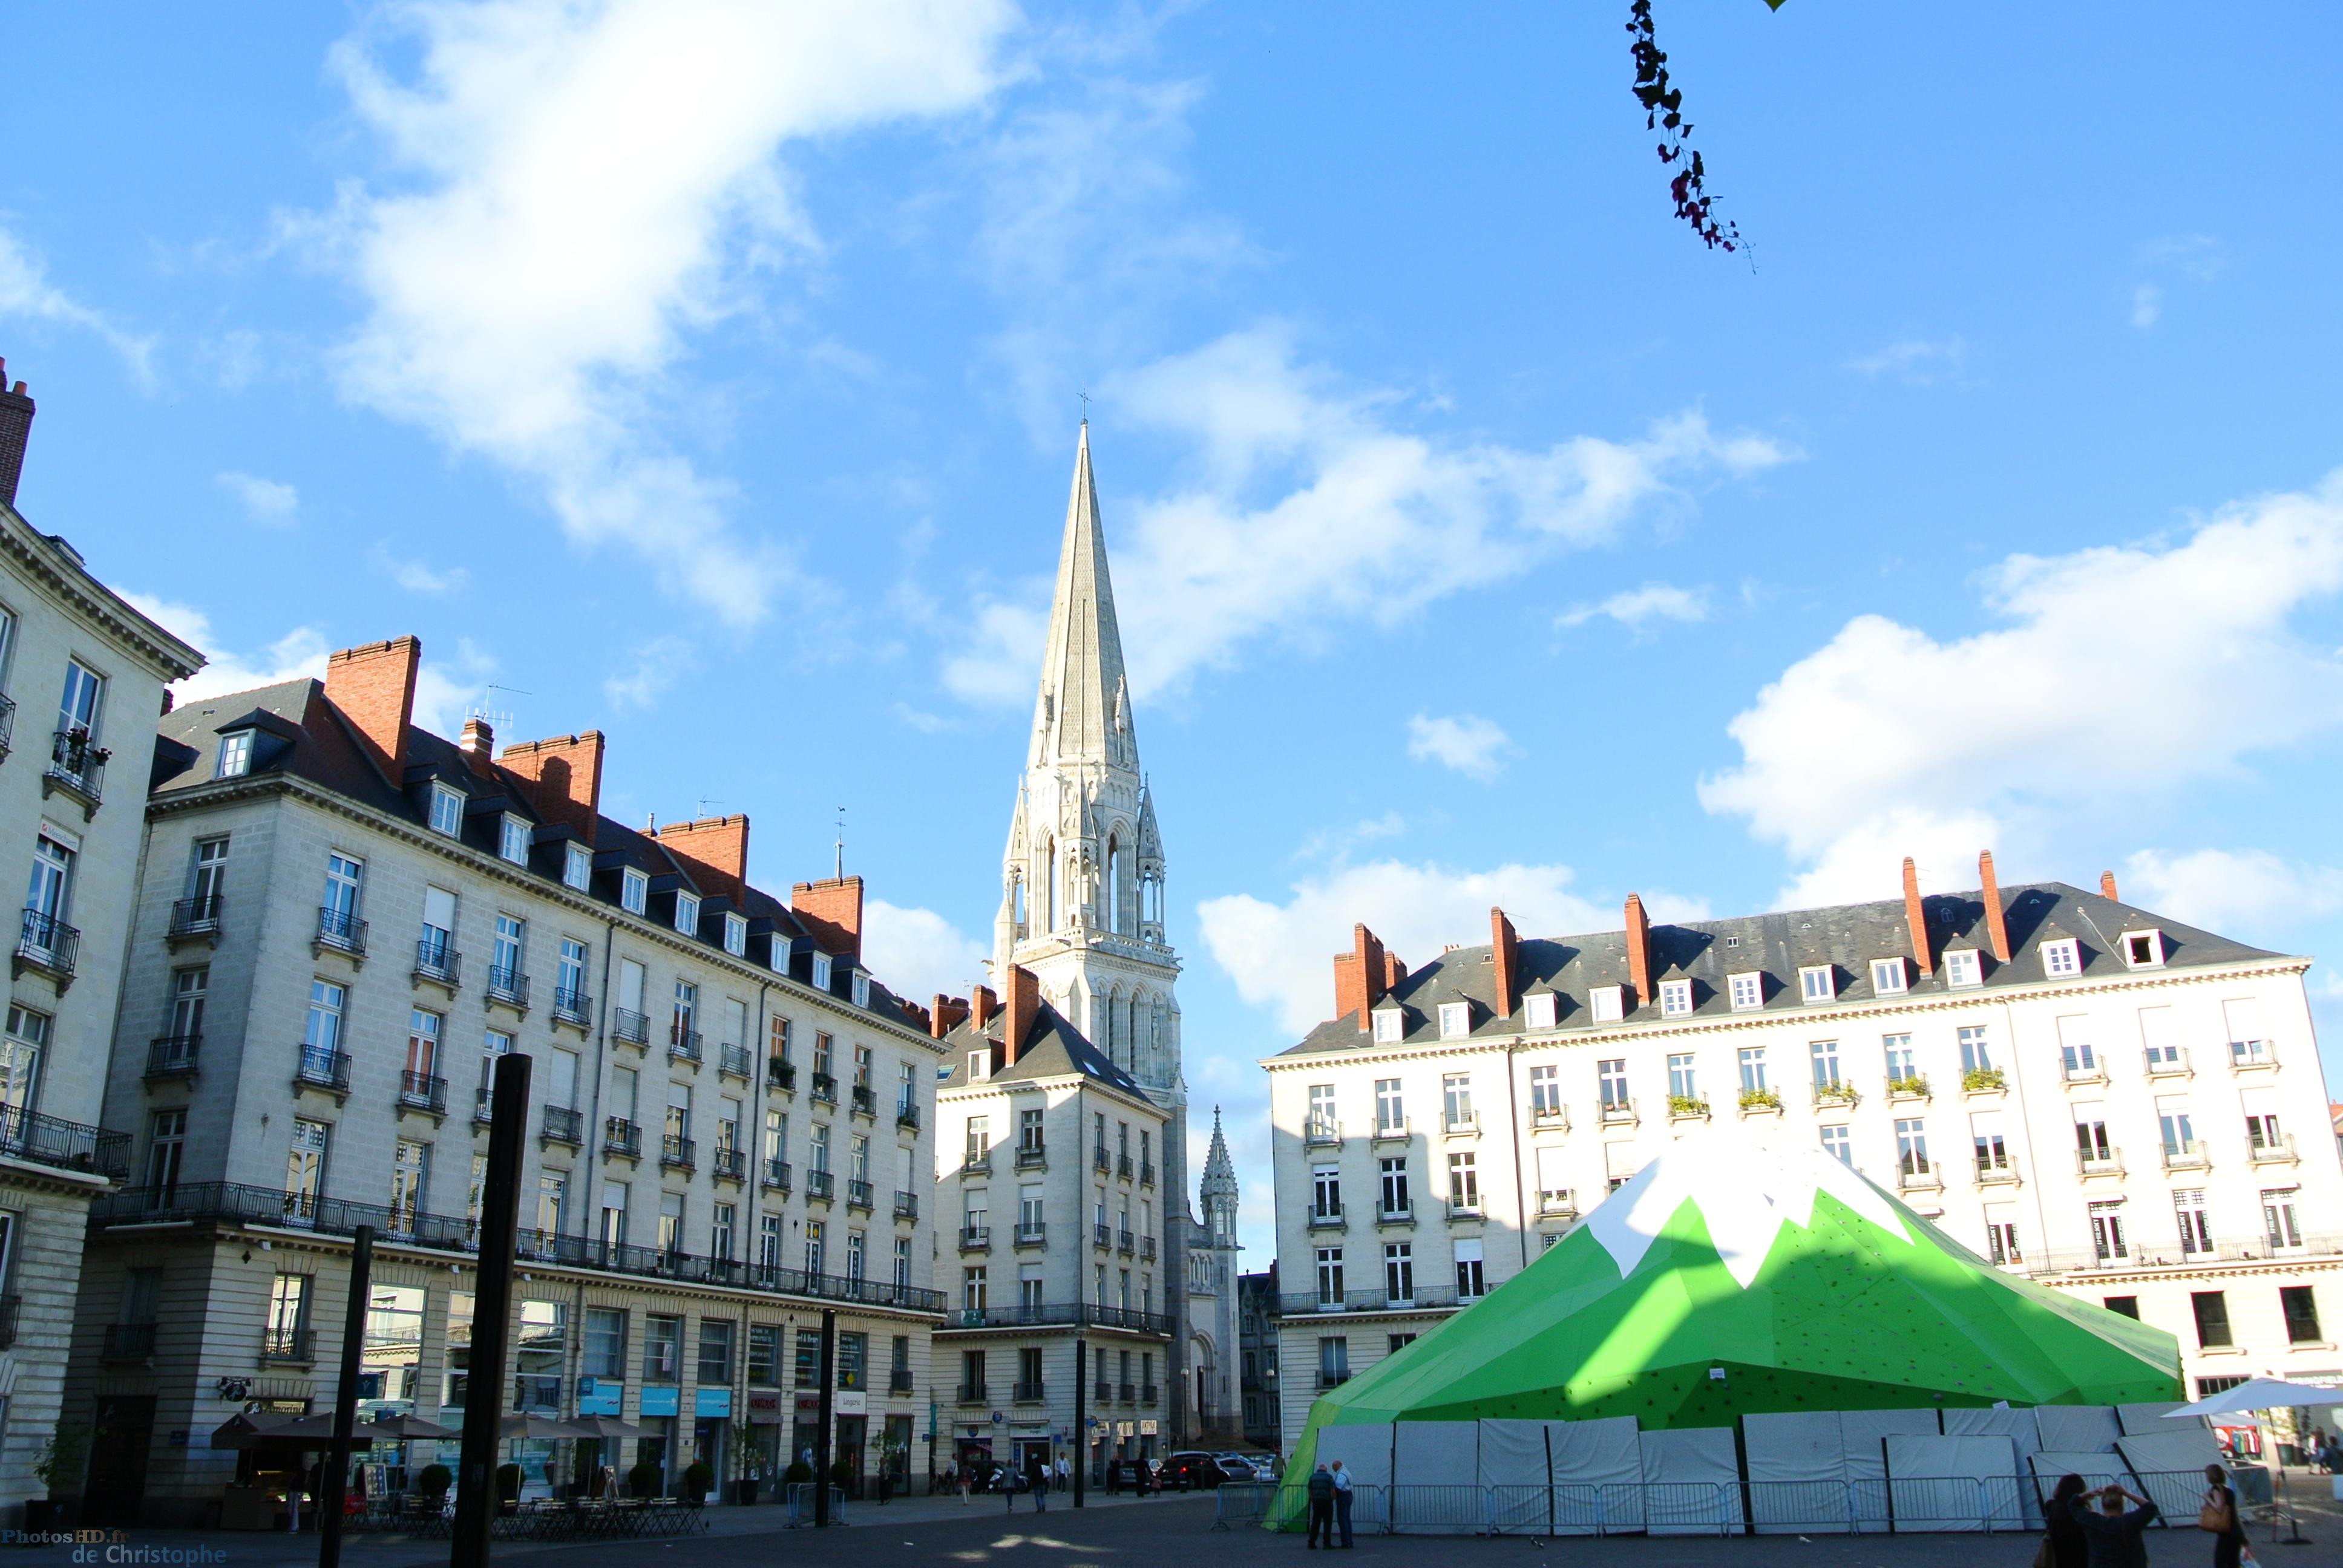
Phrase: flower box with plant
[1914,1087]
[698,1481]
[1760,1099]
[1836,1092]
[433,1479]
[643,1480]
[1982,1078]
[1687,1105]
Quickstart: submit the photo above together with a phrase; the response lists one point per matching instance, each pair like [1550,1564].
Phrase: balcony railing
[221,1202]
[66,1145]
[971,1393]
[423,1091]
[1321,1131]
[1125,1242]
[342,931]
[46,943]
[482,1111]
[1615,1111]
[817,1184]
[7,725]
[776,1175]
[1101,1235]
[1059,1315]
[899,1382]
[571,1005]
[1028,1394]
[1030,1234]
[862,1101]
[1147,1249]
[621,1136]
[195,917]
[439,962]
[563,1125]
[1129,1393]
[77,768]
[1917,1173]
[8,1310]
[2269,1151]
[1122,1166]
[1461,1122]
[1388,1132]
[322,1068]
[2099,1162]
[1098,1162]
[682,1044]
[2168,1063]
[780,1075]
[173,1056]
[1332,1377]
[2187,1154]
[858,1195]
[736,1061]
[976,1162]
[1031,1157]
[1326,1217]
[975,1238]
[825,1087]
[129,1342]
[907,1205]
[908,1115]
[630,1026]
[1403,1215]
[678,1153]
[1378,1299]
[731,1164]
[279,1344]
[508,986]
[1465,1209]
[1993,1173]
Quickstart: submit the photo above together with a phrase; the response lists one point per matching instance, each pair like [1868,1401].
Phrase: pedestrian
[1063,1471]
[2218,1518]
[1343,1503]
[967,1481]
[1322,1508]
[2064,1538]
[1037,1481]
[2112,1536]
[1114,1476]
[1008,1491]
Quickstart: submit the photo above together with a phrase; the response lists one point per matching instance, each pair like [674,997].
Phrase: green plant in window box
[1760,1099]
[1687,1105]
[1836,1091]
[1916,1084]
[1977,1078]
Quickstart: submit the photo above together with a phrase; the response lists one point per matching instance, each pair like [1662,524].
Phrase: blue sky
[710,375]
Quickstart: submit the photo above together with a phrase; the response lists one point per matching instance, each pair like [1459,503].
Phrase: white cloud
[915,952]
[2250,893]
[419,577]
[2146,306]
[1636,608]
[298,653]
[25,292]
[657,665]
[997,656]
[2122,671]
[264,500]
[447,690]
[585,188]
[1473,746]
[2197,258]
[1916,361]
[1281,955]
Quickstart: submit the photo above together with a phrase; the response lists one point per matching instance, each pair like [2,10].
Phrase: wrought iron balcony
[49,946]
[77,769]
[682,1044]
[907,1114]
[508,985]
[284,1344]
[1321,1131]
[571,1005]
[1102,1236]
[129,1342]
[1098,1159]
[857,1194]
[621,1136]
[322,1068]
[1122,1166]
[423,1091]
[482,1111]
[730,1163]
[1125,1242]
[677,1153]
[780,1075]
[1028,1394]
[7,725]
[438,962]
[341,932]
[907,1205]
[2106,1161]
[976,1238]
[862,1101]
[971,1393]
[173,1056]
[899,1382]
[563,1125]
[825,1087]
[735,1059]
[1129,1393]
[1147,1249]
[818,1185]
[1032,1233]
[66,1145]
[776,1175]
[1031,1157]
[196,917]
[630,1026]
[976,1162]
[1326,1217]
[1147,1173]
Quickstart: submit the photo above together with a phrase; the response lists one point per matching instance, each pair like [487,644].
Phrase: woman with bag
[2218,1518]
[2063,1545]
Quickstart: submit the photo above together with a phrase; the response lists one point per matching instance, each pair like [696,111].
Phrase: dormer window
[1676,999]
[687,914]
[861,989]
[1818,983]
[1389,1026]
[2144,950]
[1608,1003]
[2062,958]
[576,866]
[1963,968]
[447,810]
[778,957]
[1888,977]
[1538,1010]
[235,754]
[512,840]
[980,1065]
[634,891]
[1455,1020]
[1746,990]
[736,934]
[821,972]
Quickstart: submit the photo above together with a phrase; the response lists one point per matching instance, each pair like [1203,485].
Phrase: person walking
[1343,1503]
[1037,1481]
[1322,1508]
[2111,1535]
[2069,1546]
[2219,1518]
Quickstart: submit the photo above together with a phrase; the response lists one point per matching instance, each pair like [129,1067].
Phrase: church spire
[1217,1192]
[1081,714]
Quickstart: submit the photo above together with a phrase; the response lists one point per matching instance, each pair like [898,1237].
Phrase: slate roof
[297,733]
[1054,1048]
[1847,936]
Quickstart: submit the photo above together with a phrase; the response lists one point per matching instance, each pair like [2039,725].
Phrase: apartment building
[344,921]
[1048,1188]
[2072,1088]
[1257,1324]
[82,674]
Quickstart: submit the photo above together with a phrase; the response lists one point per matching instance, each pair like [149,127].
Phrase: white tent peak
[1745,1190]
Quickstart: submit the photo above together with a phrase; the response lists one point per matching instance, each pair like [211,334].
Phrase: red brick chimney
[716,848]
[983,1003]
[1505,957]
[479,745]
[374,688]
[1362,976]
[1916,918]
[2108,886]
[15,430]
[832,908]
[946,1015]
[562,778]
[1024,1001]
[1996,924]
[1639,951]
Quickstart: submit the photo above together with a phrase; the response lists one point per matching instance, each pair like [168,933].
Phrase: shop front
[763,1458]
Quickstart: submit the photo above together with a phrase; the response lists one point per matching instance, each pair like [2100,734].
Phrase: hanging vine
[1663,104]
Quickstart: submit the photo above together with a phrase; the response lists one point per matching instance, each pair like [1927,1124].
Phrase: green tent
[1727,1279]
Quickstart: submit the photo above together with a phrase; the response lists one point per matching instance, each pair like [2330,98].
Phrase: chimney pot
[716,848]
[373,686]
[1996,923]
[479,744]
[1916,919]
[1023,1004]
[1505,956]
[1639,951]
[2108,886]
[15,431]
[562,777]
[1362,976]
[832,906]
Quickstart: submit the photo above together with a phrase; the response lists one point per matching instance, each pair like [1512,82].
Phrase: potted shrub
[643,1480]
[799,1474]
[431,1485]
[507,1488]
[698,1481]
[59,1466]
[841,1474]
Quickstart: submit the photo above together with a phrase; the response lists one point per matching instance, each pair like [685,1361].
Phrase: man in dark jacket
[2110,1536]
[1322,1508]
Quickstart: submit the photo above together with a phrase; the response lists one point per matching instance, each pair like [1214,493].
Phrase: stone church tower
[1213,1394]
[1082,880]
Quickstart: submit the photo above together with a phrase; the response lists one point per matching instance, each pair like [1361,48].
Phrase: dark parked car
[1192,1473]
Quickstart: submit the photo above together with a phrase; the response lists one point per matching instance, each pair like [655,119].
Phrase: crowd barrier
[1918,1504]
[799,1496]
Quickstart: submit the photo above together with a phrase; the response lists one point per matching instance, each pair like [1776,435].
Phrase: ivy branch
[1663,112]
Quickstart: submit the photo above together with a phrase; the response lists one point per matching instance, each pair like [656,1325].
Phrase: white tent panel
[2097,1469]
[1691,1482]
[2145,1420]
[2078,1427]
[2024,1437]
[1797,1471]
[1954,1483]
[1514,1476]
[1862,1434]
[1598,1471]
[1435,1478]
[1366,1451]
[2171,1464]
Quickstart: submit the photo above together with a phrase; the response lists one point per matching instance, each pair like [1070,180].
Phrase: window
[2128,1305]
[437,940]
[2212,1308]
[2108,1233]
[167,1142]
[288,1315]
[343,876]
[512,840]
[1912,1148]
[662,1347]
[552,1199]
[814,1238]
[1611,1078]
[1471,1283]
[576,866]
[2091,1144]
[1455,1020]
[687,914]
[406,1185]
[1976,1053]
[2278,1221]
[1399,1273]
[570,977]
[2143,949]
[447,810]
[235,754]
[503,954]
[539,1355]
[1321,1123]
[1456,1098]
[614,1214]
[20,1060]
[1991,1144]
[2076,1056]
[1753,1070]
[979,1140]
[49,895]
[2196,1225]
[1962,967]
[807,1370]
[1607,1002]
[1818,983]
[716,1352]
[1553,1179]
[1545,1092]
[1325,1193]
[2156,1032]
[1330,1276]
[606,1343]
[735,936]
[820,970]
[719,1231]
[1825,1055]
[188,989]
[1394,1185]
[1029,1131]
[2174,1121]
[765,1356]
[1464,1183]
[1389,1027]
[858,989]
[1675,998]
[1889,978]
[2301,1310]
[634,891]
[1902,1061]
[1538,1009]
[1747,990]
[2248,1041]
[1391,1115]
[1333,1361]
[1839,1144]
[980,1065]
[2062,958]
[1682,1080]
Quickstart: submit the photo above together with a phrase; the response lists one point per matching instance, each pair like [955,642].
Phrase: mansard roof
[1845,937]
[1054,1048]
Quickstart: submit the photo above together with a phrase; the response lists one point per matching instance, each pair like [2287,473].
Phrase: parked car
[1193,1471]
[1235,1469]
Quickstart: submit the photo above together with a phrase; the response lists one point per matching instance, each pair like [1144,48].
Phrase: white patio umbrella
[2259,1394]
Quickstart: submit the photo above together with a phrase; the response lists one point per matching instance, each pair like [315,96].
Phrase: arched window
[1017,899]
[1050,859]
[1114,885]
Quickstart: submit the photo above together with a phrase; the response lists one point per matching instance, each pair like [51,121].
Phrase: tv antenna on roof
[705,802]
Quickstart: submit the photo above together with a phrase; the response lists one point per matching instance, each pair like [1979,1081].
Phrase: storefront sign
[600,1396]
[849,1402]
[665,1401]
[1122,1429]
[1147,1429]
[708,1401]
[769,1404]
